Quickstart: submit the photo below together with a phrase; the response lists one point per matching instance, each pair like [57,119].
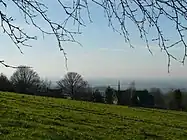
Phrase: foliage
[5,84]
[175,100]
[27,81]
[33,117]
[178,98]
[97,97]
[158,98]
[184,99]
[84,94]
[109,95]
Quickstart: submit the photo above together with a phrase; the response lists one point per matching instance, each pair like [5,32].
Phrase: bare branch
[11,66]
[144,14]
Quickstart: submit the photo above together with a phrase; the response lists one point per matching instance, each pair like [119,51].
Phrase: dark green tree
[158,98]
[97,97]
[84,93]
[109,94]
[5,84]
[178,98]
[174,100]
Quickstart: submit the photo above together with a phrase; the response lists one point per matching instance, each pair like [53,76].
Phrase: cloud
[112,50]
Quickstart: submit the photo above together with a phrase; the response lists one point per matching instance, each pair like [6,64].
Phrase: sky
[103,54]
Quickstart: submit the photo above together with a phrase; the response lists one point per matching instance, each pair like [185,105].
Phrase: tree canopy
[5,84]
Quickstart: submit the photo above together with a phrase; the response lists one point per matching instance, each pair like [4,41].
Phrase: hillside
[43,118]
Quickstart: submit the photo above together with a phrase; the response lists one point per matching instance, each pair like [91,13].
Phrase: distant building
[124,97]
[144,98]
[134,97]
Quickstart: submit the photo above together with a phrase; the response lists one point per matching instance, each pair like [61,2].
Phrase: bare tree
[146,15]
[25,80]
[45,85]
[72,84]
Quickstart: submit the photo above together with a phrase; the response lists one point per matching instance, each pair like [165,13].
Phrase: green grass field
[43,118]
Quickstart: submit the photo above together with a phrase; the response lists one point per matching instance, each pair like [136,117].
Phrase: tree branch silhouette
[145,14]
[11,66]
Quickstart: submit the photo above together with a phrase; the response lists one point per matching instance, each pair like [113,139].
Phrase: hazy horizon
[164,84]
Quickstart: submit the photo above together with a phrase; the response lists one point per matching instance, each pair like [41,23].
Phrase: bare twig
[145,14]
[11,66]
[151,12]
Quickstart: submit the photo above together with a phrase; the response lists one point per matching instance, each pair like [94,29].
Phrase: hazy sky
[104,52]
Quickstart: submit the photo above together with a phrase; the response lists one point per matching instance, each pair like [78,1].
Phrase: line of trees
[23,80]
[27,81]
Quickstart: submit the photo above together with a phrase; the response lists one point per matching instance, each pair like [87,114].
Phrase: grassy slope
[35,118]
